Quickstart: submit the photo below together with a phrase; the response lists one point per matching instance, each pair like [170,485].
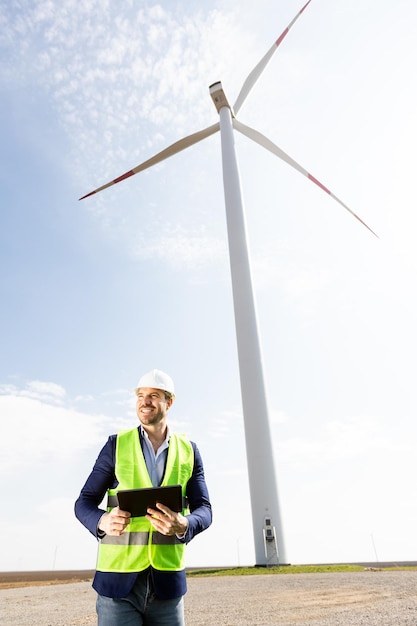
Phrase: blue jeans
[140,608]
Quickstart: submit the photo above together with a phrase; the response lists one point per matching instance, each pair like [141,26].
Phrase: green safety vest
[141,545]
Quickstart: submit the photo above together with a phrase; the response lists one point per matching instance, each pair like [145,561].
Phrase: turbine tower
[266,516]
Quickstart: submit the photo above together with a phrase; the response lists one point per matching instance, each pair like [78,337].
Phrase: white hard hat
[156,379]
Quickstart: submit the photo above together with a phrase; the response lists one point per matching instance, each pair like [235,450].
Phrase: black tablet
[138,501]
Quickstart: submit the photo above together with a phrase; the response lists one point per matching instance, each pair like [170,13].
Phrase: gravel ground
[344,599]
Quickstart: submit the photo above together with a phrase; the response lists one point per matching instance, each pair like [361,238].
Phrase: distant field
[9,580]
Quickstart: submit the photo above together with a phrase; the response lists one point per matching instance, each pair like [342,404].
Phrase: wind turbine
[266,517]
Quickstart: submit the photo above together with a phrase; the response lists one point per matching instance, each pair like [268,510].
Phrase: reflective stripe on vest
[140,539]
[140,545]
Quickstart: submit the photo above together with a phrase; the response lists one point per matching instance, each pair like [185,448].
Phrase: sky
[95,293]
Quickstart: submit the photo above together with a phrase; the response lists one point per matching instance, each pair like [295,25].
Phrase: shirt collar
[144,434]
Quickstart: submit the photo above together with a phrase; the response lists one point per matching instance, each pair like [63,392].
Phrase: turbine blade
[186,142]
[269,145]
[257,71]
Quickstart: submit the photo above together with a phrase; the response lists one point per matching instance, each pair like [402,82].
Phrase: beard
[155,416]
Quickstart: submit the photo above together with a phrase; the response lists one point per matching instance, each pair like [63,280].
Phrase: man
[140,576]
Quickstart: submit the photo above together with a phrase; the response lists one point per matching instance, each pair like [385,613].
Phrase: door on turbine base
[270,543]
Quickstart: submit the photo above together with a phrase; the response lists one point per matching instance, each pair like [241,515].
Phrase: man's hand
[167,522]
[115,522]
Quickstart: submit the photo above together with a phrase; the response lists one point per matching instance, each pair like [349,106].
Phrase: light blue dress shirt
[155,461]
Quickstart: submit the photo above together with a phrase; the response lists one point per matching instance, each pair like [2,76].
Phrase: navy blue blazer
[167,585]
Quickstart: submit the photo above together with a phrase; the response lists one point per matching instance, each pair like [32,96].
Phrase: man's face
[151,406]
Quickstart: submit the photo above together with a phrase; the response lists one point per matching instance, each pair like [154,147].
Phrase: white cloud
[61,541]
[181,248]
[219,429]
[278,416]
[45,391]
[341,440]
[34,430]
[147,65]
[36,389]
[228,422]
[123,87]
[48,446]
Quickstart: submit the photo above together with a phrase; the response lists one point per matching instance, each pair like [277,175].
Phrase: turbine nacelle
[219,97]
